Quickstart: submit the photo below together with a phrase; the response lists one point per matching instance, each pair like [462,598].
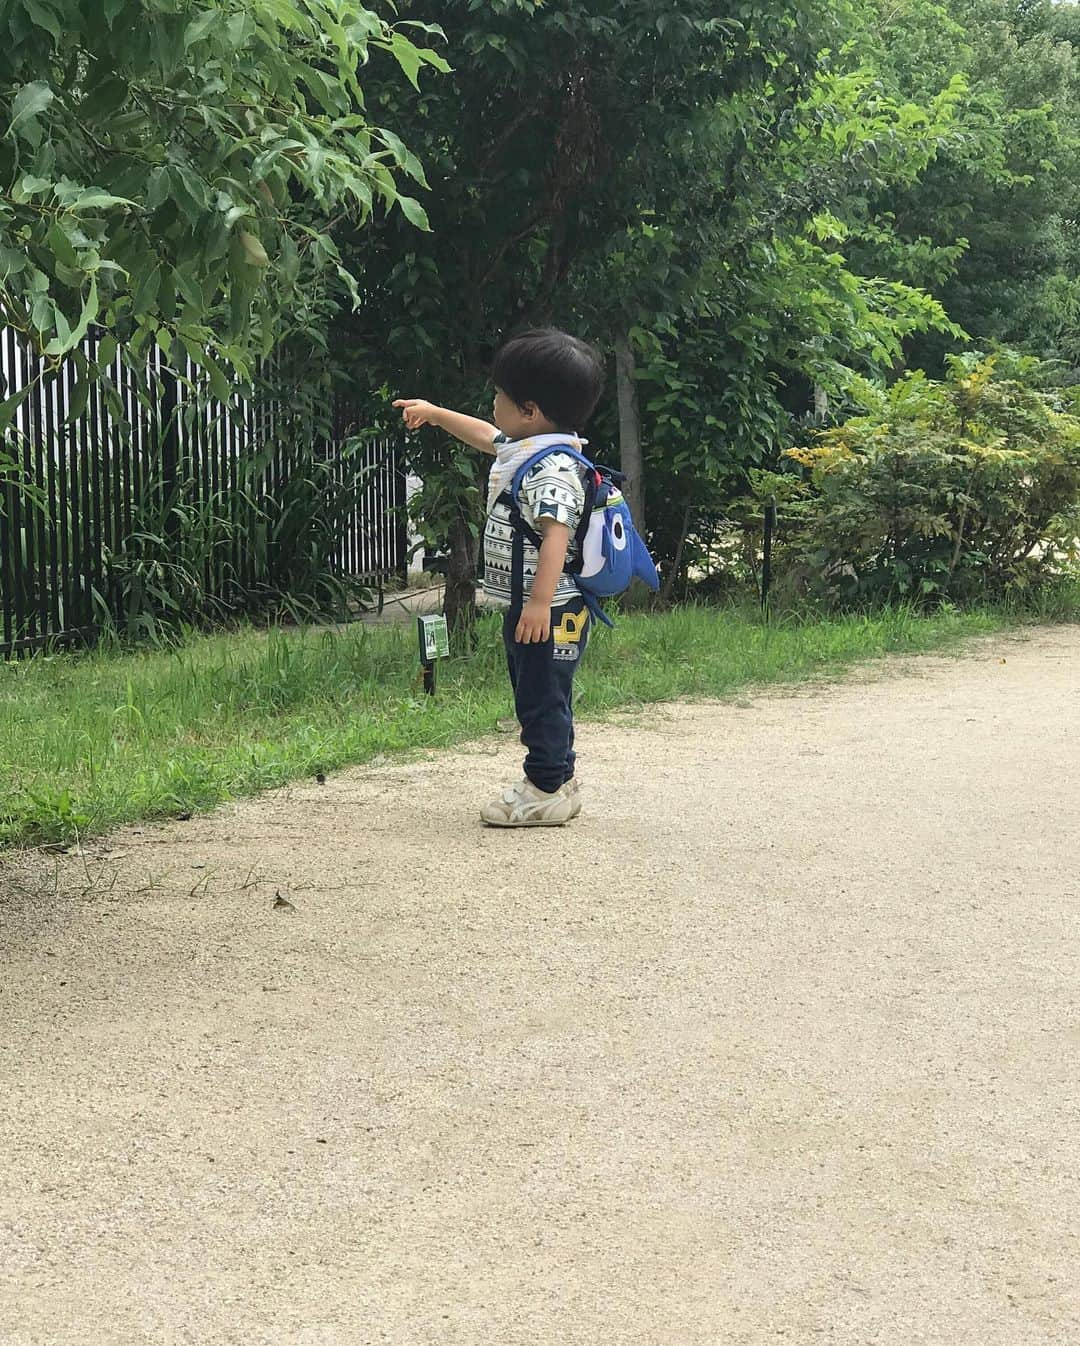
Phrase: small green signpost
[434,638]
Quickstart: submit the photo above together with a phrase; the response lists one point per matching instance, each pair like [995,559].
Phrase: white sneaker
[523,805]
[573,789]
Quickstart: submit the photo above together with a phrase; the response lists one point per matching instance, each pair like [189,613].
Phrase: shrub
[955,489]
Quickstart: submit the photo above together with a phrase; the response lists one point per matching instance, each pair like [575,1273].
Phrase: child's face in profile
[514,421]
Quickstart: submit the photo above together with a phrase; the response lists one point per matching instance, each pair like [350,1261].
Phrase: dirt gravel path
[779,1044]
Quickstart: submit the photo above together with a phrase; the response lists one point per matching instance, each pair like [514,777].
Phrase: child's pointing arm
[469,429]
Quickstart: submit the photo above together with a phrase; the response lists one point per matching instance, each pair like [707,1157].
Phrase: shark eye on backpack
[618,534]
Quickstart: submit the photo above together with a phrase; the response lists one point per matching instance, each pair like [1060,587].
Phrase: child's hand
[534,624]
[415,412]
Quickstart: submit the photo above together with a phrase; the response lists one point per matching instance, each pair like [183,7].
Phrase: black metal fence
[141,488]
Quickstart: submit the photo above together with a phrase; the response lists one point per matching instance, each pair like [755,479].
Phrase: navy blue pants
[542,676]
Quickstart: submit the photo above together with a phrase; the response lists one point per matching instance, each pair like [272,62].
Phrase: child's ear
[530,410]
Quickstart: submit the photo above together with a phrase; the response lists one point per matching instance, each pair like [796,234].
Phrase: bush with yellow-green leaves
[964,488]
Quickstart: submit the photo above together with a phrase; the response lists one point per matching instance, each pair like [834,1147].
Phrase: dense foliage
[174,171]
[762,210]
[960,489]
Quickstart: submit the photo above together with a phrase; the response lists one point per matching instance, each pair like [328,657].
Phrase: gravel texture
[778,1043]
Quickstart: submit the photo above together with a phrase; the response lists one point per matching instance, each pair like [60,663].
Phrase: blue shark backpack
[610,552]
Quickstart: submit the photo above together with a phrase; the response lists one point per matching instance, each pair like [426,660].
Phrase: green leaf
[106,351]
[219,384]
[199,26]
[290,260]
[407,56]
[238,30]
[414,212]
[189,191]
[12,261]
[433,58]
[146,293]
[42,16]
[60,244]
[79,399]
[157,187]
[62,341]
[28,186]
[95,200]
[11,406]
[405,157]
[253,249]
[65,342]
[30,102]
[432,29]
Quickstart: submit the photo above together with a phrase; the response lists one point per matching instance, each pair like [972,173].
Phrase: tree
[561,126]
[741,293]
[990,227]
[175,171]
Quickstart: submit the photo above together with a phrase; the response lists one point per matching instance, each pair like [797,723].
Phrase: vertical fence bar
[208,431]
[28,447]
[252,438]
[9,386]
[371,511]
[386,483]
[168,402]
[37,526]
[98,484]
[401,516]
[86,578]
[200,467]
[15,515]
[133,454]
[236,439]
[126,441]
[121,488]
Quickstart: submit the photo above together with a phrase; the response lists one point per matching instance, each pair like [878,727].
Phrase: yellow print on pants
[572,627]
[568,635]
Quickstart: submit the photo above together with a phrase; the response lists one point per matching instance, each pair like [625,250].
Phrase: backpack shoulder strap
[528,465]
[521,530]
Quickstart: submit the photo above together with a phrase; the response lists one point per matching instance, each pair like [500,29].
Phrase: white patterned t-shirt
[553,490]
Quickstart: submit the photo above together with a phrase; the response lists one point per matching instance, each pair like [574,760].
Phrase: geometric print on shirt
[553,489]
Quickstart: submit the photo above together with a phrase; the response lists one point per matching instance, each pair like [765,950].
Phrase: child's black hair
[561,374]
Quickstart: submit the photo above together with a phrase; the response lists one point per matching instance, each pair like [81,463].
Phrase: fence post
[401,516]
[766,553]
[169,430]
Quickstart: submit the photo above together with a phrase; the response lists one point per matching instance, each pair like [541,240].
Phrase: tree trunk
[459,600]
[629,430]
[673,575]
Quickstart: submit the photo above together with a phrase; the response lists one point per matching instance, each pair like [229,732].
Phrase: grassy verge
[91,741]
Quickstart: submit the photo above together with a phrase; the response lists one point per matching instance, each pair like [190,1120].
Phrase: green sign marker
[434,644]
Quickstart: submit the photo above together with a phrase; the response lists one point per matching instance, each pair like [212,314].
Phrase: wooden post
[629,431]
[766,554]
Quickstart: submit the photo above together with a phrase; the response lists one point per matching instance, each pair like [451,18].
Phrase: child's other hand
[415,412]
[534,624]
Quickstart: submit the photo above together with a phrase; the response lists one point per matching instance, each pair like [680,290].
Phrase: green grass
[90,741]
